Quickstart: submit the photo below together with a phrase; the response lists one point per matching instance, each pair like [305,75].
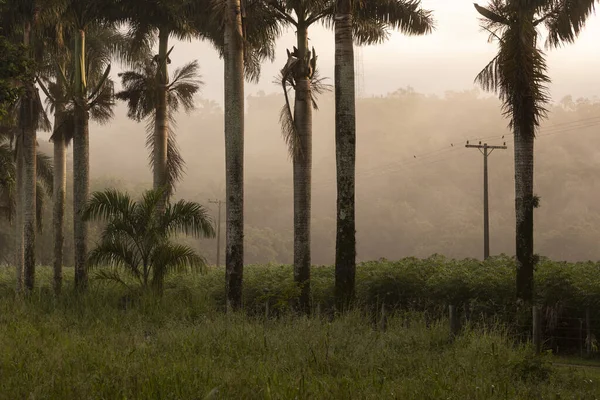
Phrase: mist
[419,190]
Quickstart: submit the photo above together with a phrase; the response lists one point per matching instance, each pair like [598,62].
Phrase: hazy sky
[448,59]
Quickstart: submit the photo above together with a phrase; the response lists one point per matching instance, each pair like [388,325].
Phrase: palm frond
[108,204]
[518,74]
[186,83]
[175,161]
[45,172]
[146,207]
[115,254]
[373,18]
[168,257]
[111,275]
[101,109]
[189,218]
[139,91]
[565,19]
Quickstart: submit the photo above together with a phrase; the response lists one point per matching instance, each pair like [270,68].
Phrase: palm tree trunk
[29,176]
[345,152]
[19,251]
[59,196]
[161,130]
[81,167]
[302,166]
[234,154]
[524,140]
[29,186]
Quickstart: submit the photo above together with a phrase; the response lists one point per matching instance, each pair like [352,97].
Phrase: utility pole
[487,150]
[219,202]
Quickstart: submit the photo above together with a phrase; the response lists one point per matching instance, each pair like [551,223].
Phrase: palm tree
[78,16]
[406,16]
[102,40]
[26,18]
[147,20]
[142,90]
[518,75]
[244,33]
[372,20]
[138,241]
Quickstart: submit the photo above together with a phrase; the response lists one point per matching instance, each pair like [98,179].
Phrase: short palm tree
[142,91]
[138,241]
[408,17]
[518,75]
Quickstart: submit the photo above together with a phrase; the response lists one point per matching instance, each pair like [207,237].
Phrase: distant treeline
[419,190]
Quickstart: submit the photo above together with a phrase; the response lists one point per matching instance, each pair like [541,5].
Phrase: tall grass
[183,347]
[175,349]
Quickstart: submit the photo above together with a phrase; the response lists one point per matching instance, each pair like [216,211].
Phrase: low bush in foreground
[178,348]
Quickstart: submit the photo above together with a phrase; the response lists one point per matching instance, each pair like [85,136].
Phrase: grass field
[181,347]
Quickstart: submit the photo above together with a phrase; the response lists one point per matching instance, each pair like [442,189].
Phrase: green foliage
[179,346]
[15,67]
[137,240]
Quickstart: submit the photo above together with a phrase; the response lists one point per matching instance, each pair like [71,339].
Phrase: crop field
[183,346]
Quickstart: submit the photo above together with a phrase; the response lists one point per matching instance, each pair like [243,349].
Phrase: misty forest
[306,243]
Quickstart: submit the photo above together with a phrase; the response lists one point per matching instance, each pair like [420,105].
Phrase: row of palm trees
[74,41]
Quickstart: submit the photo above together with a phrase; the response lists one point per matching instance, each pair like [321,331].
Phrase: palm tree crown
[141,89]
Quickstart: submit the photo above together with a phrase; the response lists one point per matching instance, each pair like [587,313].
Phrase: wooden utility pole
[219,202]
[487,150]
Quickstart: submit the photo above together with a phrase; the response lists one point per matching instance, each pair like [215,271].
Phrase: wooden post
[267,310]
[588,331]
[454,323]
[537,331]
[581,337]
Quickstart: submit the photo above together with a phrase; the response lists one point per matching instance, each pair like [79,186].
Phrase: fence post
[267,310]
[454,323]
[588,331]
[581,337]
[537,331]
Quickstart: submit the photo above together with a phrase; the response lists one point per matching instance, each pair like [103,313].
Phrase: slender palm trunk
[29,187]
[524,140]
[234,154]
[302,162]
[81,167]
[59,184]
[19,252]
[29,177]
[59,196]
[161,129]
[345,152]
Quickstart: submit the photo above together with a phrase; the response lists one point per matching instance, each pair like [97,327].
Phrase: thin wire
[398,166]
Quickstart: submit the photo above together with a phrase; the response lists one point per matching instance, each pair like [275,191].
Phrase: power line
[417,159]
